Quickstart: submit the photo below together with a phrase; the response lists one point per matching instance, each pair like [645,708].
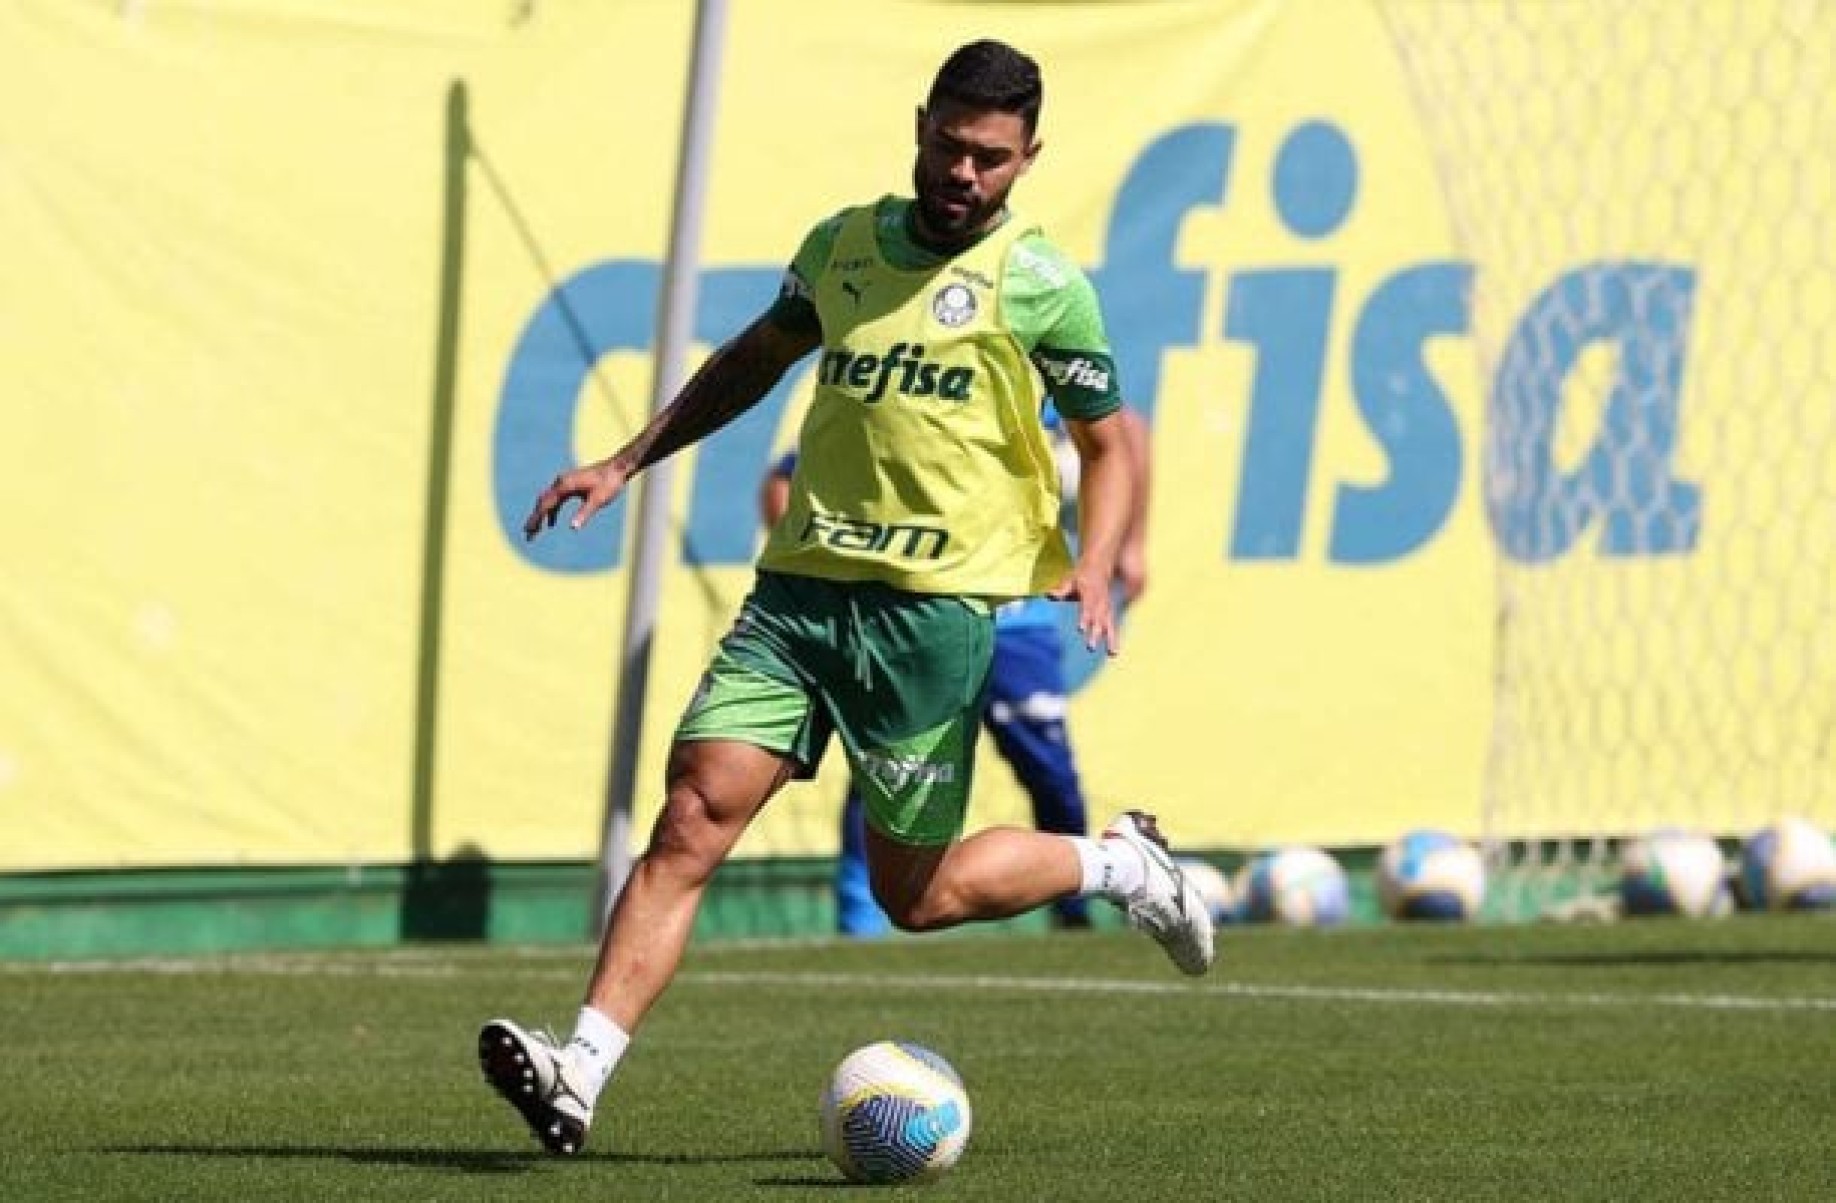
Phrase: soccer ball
[1789,866]
[894,1112]
[1673,872]
[1213,886]
[1430,875]
[1299,886]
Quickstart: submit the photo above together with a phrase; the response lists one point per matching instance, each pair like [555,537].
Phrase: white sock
[1112,869]
[595,1050]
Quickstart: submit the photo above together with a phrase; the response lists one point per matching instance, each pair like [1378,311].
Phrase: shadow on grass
[465,1161]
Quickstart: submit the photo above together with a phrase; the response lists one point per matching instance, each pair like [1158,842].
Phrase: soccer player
[925,494]
[1025,705]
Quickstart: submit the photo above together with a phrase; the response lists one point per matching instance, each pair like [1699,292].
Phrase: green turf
[1655,1060]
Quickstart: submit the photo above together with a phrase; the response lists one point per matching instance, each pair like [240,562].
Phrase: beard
[941,219]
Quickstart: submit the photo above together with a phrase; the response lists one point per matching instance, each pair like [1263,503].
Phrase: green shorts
[900,676]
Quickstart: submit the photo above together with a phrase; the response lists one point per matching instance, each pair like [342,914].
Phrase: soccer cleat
[528,1070]
[1166,906]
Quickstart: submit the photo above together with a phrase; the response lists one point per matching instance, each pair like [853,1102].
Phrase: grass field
[1655,1060]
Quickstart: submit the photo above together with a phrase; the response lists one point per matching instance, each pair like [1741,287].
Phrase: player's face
[968,160]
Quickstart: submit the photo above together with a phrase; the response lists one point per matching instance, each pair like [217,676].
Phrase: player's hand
[1096,617]
[595,486]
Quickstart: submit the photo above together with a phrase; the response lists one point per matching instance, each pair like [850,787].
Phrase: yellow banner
[302,305]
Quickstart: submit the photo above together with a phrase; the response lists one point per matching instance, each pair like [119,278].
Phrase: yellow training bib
[922,462]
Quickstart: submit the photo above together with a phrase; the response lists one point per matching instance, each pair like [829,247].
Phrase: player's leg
[909,718]
[996,873]
[715,787]
[1004,871]
[748,729]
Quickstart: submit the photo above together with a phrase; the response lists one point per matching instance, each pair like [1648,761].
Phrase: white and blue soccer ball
[1213,886]
[1789,865]
[894,1112]
[1300,886]
[1671,871]
[1428,874]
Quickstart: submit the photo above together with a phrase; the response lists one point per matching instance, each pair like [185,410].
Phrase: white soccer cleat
[1166,906]
[528,1070]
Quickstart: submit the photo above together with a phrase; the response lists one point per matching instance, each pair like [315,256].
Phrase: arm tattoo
[735,378]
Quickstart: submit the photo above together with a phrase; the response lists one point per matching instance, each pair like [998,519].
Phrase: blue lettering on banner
[1285,314]
[1624,491]
[1642,311]
[602,310]
[1407,413]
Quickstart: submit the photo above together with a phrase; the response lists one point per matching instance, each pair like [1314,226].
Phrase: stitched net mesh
[1660,465]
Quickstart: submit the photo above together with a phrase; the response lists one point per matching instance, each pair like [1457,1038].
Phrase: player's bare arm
[731,381]
[1105,502]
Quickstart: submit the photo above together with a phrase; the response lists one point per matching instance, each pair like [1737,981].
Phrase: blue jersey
[1028,612]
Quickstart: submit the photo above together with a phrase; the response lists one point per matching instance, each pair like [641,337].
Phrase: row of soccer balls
[1788,865]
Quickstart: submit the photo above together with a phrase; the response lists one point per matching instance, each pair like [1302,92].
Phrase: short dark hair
[991,75]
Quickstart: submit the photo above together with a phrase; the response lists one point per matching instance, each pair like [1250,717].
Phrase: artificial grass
[1663,1058]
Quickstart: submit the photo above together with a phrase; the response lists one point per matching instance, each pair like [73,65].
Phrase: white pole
[675,325]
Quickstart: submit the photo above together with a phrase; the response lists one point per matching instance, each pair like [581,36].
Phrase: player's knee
[686,837]
[917,914]
[918,885]
[920,906]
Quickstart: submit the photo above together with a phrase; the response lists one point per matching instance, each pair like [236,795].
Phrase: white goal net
[1661,442]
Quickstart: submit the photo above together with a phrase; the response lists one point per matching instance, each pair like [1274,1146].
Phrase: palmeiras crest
[954,305]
